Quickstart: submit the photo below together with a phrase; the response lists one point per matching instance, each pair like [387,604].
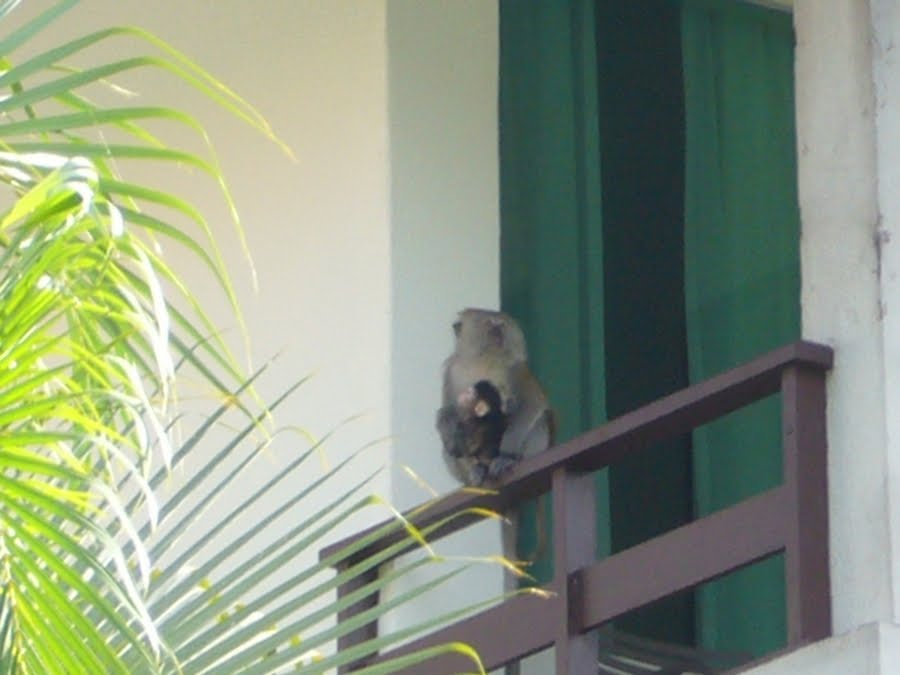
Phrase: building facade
[390,222]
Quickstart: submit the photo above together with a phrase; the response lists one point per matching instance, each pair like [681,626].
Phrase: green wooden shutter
[579,252]
[551,248]
[594,268]
[741,274]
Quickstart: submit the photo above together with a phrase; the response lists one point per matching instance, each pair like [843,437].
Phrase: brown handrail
[791,518]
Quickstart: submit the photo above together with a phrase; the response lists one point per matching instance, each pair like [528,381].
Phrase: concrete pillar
[445,246]
[848,151]
[885,41]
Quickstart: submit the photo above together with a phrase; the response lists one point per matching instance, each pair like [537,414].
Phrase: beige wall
[369,243]
[387,223]
[317,227]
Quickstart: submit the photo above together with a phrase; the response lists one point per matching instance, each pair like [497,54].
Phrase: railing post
[575,546]
[804,444]
[366,632]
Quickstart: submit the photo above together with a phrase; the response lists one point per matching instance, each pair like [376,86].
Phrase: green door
[742,274]
[551,233]
[649,239]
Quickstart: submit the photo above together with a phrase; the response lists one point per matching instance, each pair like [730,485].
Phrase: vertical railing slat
[805,474]
[575,546]
[367,632]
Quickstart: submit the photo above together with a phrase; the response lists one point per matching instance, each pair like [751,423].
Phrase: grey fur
[490,346]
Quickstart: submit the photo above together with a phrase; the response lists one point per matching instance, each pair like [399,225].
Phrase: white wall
[387,224]
[445,238]
[840,296]
[885,21]
[847,107]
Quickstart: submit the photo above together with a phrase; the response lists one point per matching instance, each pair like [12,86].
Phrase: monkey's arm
[530,429]
[538,438]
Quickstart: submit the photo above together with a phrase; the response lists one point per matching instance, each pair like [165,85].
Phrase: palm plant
[93,437]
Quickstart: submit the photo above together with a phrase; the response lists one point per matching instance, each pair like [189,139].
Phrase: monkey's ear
[457,328]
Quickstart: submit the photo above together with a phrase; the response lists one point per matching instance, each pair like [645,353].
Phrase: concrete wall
[368,244]
[871,650]
[885,41]
[848,161]
[841,298]
[387,224]
[848,107]
[444,242]
[318,227]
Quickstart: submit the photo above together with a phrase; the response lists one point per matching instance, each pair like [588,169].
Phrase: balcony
[586,593]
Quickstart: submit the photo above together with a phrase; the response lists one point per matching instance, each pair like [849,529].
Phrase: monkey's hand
[503,462]
[477,474]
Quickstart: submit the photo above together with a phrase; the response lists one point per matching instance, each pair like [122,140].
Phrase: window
[650,239]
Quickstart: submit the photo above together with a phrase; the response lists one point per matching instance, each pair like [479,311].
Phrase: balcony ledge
[873,649]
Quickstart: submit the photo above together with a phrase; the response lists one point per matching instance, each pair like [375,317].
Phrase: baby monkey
[478,423]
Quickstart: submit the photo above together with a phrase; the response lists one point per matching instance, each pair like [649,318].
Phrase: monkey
[473,429]
[490,349]
[490,392]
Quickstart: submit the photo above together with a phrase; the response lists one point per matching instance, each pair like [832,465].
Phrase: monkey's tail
[509,533]
[510,536]
[541,529]
[542,543]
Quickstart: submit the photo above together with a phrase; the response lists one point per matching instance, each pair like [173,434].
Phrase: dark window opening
[650,236]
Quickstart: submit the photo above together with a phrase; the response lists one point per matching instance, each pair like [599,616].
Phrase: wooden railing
[791,518]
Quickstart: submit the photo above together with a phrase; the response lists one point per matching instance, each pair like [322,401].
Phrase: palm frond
[88,354]
[110,560]
[221,609]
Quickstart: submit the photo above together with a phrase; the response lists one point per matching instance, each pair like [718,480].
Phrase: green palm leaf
[99,571]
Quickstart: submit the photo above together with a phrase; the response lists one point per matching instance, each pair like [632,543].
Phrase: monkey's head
[482,332]
[480,400]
